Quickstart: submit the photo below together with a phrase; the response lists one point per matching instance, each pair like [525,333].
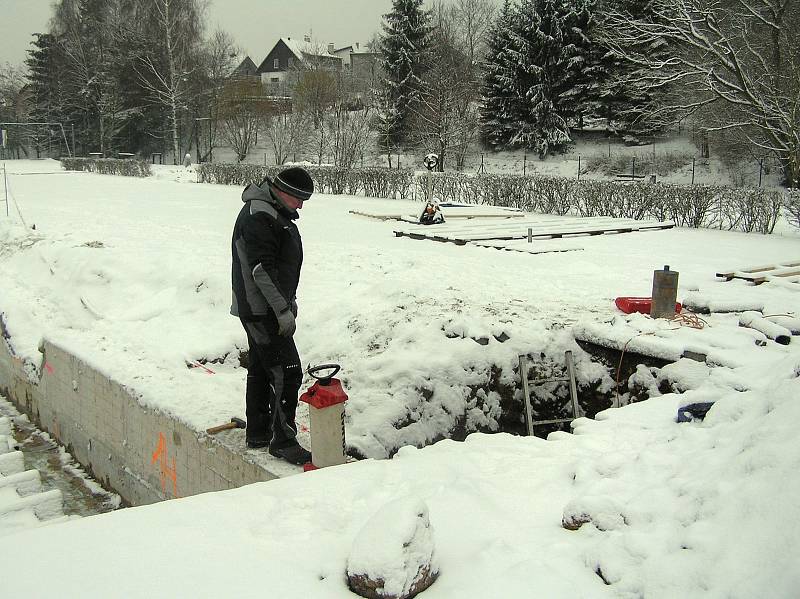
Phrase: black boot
[294,453]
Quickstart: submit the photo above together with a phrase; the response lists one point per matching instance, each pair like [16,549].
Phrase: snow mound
[395,550]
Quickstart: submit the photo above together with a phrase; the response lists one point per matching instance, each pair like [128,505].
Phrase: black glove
[286,323]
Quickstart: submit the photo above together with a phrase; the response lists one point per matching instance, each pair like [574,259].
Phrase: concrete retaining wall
[143,455]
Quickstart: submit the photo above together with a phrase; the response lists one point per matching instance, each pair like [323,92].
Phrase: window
[274,79]
[276,64]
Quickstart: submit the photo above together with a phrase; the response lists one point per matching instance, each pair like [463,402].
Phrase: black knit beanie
[296,182]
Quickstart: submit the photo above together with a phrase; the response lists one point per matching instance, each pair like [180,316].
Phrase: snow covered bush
[108,166]
[791,206]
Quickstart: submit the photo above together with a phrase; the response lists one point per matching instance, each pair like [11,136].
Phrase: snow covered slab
[449,211]
[527,227]
[525,247]
[720,339]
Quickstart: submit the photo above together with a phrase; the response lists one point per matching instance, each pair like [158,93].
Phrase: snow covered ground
[133,275]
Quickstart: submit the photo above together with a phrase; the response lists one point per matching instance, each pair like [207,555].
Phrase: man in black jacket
[267,257]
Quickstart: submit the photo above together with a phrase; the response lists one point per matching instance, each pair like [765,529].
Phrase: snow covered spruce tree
[49,98]
[536,74]
[403,45]
[499,94]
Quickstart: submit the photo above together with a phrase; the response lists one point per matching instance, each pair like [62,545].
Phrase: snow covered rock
[601,511]
[393,555]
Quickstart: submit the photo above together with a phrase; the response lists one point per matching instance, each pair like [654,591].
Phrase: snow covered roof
[304,48]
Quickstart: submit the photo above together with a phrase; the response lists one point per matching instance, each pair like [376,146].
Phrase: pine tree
[499,93]
[537,74]
[45,64]
[403,47]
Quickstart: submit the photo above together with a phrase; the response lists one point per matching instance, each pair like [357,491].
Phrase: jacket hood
[263,192]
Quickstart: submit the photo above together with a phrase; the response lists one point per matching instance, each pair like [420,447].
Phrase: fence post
[760,170]
[524,164]
[633,168]
[5,187]
[579,167]
[692,170]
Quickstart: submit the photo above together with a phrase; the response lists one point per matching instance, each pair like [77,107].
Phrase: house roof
[303,49]
[246,67]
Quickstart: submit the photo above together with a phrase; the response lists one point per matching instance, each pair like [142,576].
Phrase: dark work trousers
[274,377]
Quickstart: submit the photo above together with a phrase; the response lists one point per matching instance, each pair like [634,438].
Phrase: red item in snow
[639,304]
[323,396]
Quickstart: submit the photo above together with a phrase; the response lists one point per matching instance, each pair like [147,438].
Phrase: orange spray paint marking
[166,471]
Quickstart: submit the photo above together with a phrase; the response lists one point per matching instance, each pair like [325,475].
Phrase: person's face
[292,203]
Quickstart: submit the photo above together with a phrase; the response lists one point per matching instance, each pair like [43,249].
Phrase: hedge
[741,209]
[130,167]
[371,182]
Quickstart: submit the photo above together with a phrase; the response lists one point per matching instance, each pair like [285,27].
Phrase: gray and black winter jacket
[267,256]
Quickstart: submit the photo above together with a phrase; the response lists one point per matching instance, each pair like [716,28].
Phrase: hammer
[234,423]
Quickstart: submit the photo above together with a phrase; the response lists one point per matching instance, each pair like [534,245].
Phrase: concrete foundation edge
[142,454]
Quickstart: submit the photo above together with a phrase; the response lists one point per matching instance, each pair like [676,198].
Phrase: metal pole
[5,187]
[430,187]
[64,135]
[579,167]
[524,164]
[633,168]
[523,371]
[692,171]
[72,126]
[760,170]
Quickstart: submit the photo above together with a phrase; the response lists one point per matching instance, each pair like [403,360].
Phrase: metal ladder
[527,383]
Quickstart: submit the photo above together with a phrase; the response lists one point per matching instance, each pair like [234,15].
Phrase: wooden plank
[541,234]
[730,274]
[518,230]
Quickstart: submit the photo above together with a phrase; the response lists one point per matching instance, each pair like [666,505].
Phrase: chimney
[330,48]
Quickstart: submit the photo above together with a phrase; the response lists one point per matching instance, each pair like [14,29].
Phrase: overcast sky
[255,24]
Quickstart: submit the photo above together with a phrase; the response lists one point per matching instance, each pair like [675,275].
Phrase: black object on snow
[694,411]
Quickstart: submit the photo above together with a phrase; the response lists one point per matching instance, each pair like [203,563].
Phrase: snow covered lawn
[679,510]
[133,276]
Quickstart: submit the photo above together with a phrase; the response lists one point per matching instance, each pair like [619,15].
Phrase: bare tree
[349,133]
[740,56]
[288,134]
[471,20]
[219,59]
[12,80]
[242,112]
[445,116]
[166,76]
